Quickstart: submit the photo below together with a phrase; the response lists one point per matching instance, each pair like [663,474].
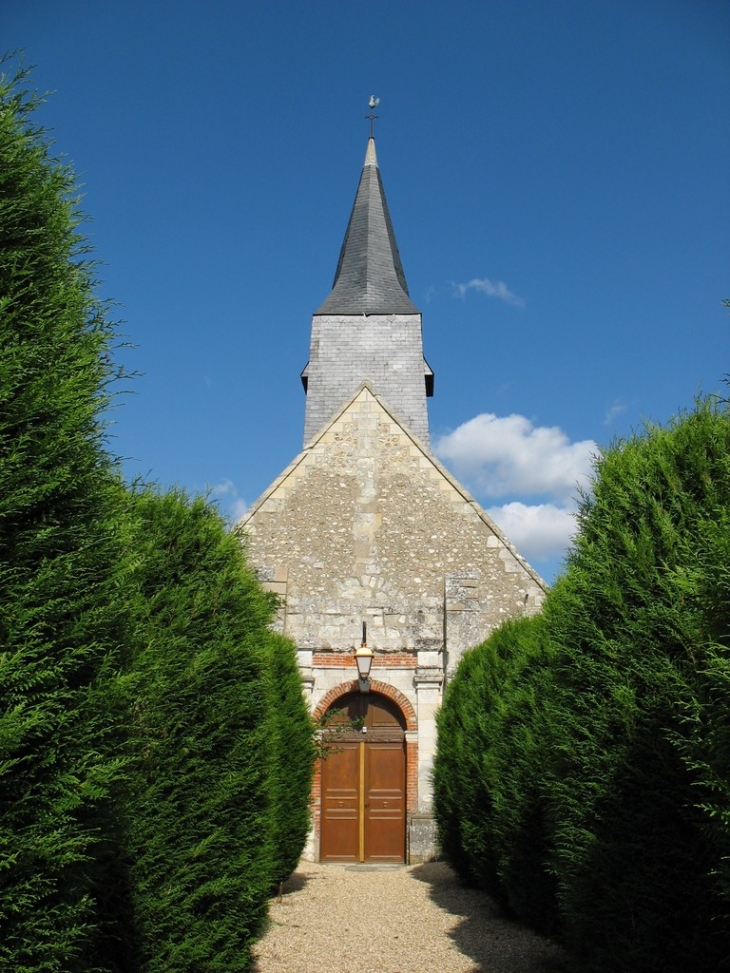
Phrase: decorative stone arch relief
[384,688]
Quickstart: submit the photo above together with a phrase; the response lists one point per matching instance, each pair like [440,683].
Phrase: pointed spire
[371,158]
[369,277]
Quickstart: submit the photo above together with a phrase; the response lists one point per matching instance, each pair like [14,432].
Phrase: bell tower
[368,329]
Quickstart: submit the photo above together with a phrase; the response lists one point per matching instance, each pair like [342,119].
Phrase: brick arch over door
[401,701]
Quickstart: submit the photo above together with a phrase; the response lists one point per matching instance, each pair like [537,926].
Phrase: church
[386,569]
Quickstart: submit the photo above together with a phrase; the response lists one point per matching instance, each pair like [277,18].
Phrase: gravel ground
[394,919]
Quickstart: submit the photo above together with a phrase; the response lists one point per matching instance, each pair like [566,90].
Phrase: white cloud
[492,288]
[538,531]
[508,456]
[505,455]
[230,502]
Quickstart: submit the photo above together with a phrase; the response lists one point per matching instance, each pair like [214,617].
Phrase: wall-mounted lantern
[364,661]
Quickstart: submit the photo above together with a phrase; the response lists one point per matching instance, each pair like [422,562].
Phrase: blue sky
[557,175]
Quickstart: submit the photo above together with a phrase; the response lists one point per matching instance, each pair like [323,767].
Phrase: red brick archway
[384,688]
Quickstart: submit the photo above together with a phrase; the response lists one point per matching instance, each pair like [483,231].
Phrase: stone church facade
[366,538]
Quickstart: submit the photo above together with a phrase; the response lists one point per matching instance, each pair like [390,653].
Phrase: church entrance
[363,781]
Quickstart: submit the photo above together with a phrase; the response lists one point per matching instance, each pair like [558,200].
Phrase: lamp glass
[364,660]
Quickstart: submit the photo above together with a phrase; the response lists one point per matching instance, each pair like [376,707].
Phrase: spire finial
[373,103]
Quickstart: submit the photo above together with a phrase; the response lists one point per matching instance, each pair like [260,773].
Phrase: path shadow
[496,943]
[295,883]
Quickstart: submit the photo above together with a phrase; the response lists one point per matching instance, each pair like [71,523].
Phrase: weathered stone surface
[422,843]
[365,525]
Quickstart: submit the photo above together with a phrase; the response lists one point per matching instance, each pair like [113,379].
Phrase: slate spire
[368,329]
[369,277]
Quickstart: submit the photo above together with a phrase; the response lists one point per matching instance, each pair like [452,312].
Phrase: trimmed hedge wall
[492,745]
[292,740]
[639,623]
[156,752]
[602,761]
[222,742]
[61,625]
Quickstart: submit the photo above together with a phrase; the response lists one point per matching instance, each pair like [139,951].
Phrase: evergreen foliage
[199,821]
[155,747]
[640,796]
[292,743]
[595,746]
[58,613]
[460,800]
[493,742]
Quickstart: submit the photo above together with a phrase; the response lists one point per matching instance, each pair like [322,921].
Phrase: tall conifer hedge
[199,820]
[639,793]
[155,748]
[292,743]
[493,743]
[58,611]
[602,760]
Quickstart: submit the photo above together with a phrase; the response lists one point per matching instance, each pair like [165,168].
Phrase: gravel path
[393,919]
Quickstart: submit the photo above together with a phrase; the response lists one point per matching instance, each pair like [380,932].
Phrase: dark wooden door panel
[363,783]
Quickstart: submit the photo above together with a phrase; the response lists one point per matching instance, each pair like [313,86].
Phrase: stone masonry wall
[366,526]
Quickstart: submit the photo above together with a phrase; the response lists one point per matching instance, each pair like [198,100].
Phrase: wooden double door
[363,782]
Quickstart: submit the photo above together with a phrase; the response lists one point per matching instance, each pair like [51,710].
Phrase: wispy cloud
[430,291]
[230,502]
[492,288]
[616,409]
[508,456]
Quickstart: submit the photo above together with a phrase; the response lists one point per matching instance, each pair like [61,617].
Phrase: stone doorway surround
[420,829]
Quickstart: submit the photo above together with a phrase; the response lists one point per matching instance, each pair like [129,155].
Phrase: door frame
[358,790]
[329,699]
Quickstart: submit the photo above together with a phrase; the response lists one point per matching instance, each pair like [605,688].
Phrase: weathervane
[374,102]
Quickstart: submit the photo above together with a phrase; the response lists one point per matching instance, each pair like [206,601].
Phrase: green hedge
[199,820]
[61,625]
[462,802]
[597,768]
[492,747]
[292,740]
[155,748]
[643,648]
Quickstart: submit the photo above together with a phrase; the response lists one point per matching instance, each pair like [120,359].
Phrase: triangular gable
[366,393]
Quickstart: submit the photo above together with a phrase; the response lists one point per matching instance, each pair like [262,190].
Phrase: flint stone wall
[365,525]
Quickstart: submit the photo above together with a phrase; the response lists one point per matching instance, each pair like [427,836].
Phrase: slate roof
[369,277]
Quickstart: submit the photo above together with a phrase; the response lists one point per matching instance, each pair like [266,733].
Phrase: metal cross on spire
[374,102]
